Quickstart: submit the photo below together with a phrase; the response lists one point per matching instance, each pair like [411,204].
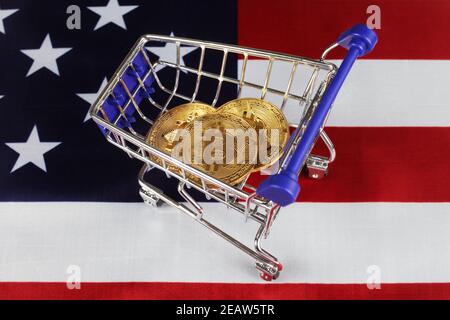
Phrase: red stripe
[397,164]
[215,291]
[414,29]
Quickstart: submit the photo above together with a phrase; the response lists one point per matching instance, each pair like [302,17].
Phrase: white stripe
[317,242]
[380,92]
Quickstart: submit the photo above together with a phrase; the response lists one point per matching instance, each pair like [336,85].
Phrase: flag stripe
[409,29]
[377,93]
[334,243]
[216,291]
[395,164]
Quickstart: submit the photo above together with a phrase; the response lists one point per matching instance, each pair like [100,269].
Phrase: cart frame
[125,96]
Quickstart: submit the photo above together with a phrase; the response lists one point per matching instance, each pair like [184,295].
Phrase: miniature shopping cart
[147,85]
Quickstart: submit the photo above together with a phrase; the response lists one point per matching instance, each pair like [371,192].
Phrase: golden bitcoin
[163,134]
[223,146]
[261,114]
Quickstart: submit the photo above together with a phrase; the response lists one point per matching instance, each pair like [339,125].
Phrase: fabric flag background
[68,198]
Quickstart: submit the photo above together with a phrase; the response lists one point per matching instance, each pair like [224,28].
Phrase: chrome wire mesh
[306,80]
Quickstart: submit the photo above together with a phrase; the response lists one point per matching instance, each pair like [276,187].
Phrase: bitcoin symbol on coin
[165,131]
[225,149]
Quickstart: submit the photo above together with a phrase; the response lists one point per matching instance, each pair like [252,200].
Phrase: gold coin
[163,134]
[261,114]
[221,147]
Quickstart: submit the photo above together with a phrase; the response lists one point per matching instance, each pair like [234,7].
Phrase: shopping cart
[146,85]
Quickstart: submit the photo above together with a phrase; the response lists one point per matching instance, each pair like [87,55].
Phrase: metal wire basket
[147,85]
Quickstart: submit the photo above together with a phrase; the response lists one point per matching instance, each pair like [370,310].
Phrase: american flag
[376,227]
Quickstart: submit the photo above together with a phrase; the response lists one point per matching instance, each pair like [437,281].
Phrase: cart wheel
[280,267]
[317,174]
[276,275]
[317,167]
[266,276]
[150,198]
[269,272]
[154,203]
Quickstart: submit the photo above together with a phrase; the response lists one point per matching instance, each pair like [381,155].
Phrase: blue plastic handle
[283,188]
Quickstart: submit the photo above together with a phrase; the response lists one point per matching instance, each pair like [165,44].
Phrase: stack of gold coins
[228,143]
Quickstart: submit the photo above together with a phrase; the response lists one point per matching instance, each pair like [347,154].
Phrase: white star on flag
[3,15]
[32,150]
[45,56]
[90,97]
[169,53]
[111,13]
